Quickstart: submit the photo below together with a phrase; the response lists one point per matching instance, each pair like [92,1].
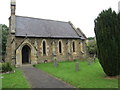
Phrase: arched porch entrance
[26,52]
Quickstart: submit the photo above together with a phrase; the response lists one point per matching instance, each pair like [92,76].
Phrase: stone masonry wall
[53,47]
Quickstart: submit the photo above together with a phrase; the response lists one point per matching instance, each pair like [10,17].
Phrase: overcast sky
[80,12]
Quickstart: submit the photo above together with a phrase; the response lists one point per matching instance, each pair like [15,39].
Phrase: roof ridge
[42,19]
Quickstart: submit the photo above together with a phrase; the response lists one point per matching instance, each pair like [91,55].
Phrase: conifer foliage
[107,31]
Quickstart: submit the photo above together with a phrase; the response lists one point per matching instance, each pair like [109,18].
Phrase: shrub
[6,67]
[33,65]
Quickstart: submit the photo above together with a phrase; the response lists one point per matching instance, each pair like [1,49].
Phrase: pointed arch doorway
[26,52]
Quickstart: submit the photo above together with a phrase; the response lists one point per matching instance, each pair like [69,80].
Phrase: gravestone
[94,58]
[89,61]
[77,66]
[55,60]
[55,63]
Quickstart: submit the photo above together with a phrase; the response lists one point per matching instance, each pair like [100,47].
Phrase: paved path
[40,79]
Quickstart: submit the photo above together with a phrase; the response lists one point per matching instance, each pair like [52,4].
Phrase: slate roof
[34,27]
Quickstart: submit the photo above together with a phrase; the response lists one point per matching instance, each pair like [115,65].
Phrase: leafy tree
[92,47]
[107,30]
[0,41]
[4,33]
[90,38]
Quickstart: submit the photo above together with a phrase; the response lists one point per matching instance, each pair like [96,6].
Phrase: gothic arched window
[81,47]
[73,45]
[60,47]
[44,48]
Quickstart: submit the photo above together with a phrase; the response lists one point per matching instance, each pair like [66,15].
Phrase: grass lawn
[89,76]
[15,80]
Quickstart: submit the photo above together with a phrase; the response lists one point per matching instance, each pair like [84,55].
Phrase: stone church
[34,40]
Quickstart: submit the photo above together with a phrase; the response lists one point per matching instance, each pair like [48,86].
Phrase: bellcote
[12,18]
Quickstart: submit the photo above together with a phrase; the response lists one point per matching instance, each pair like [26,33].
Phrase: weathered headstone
[94,58]
[55,60]
[55,63]
[89,61]
[77,66]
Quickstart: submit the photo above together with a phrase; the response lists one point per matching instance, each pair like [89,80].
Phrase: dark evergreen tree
[107,30]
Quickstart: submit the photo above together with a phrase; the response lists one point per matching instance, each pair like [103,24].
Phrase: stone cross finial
[13,2]
[13,7]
